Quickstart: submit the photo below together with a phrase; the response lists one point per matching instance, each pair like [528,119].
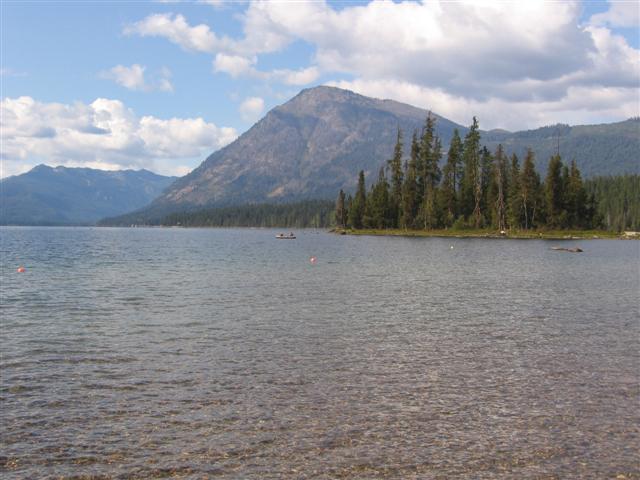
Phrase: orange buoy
[20,269]
[313,260]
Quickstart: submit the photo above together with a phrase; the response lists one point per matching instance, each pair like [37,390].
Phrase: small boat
[283,236]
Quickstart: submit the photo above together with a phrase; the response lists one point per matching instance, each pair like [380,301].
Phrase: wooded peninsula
[475,192]
[482,191]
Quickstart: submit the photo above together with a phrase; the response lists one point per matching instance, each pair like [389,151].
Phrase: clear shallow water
[149,353]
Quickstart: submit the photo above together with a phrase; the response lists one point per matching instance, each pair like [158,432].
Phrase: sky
[161,85]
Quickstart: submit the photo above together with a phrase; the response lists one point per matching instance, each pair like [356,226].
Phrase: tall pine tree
[471,189]
[409,188]
[554,186]
[514,204]
[577,200]
[395,168]
[530,190]
[381,208]
[357,208]
[341,210]
[451,176]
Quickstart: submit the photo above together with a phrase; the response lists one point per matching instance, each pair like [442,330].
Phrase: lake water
[186,353]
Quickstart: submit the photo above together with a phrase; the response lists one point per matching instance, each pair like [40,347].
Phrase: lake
[200,353]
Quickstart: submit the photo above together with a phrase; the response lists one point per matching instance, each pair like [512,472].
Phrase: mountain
[606,149]
[74,196]
[310,147]
[315,144]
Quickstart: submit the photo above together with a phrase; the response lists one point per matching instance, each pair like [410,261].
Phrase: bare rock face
[310,147]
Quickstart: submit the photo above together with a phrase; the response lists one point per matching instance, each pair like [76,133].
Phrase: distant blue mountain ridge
[75,196]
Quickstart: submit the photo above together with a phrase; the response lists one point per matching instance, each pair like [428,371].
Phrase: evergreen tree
[367,217]
[395,167]
[530,191]
[451,176]
[554,185]
[595,219]
[577,199]
[501,187]
[430,152]
[514,204]
[432,179]
[341,210]
[471,189]
[490,189]
[487,181]
[409,188]
[357,209]
[424,150]
[381,208]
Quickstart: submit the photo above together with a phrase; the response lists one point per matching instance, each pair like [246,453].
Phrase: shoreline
[518,235]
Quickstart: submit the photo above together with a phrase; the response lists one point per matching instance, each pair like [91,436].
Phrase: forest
[476,188]
[305,214]
[618,201]
[469,188]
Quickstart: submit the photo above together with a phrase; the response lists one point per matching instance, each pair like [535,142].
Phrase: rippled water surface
[151,353]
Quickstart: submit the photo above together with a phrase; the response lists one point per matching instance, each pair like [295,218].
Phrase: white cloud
[234,65]
[236,57]
[129,77]
[133,78]
[581,105]
[103,133]
[164,83]
[535,53]
[251,108]
[238,66]
[304,76]
[517,65]
[176,29]
[10,72]
[620,14]
[213,3]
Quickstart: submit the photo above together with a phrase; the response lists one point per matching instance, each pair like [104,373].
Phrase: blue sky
[160,85]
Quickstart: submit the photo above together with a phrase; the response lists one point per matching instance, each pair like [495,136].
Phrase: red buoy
[313,260]
[21,269]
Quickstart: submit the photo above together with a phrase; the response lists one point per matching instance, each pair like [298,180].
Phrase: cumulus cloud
[534,54]
[176,29]
[235,65]
[303,76]
[103,133]
[251,108]
[133,78]
[581,105]
[129,77]
[238,66]
[235,57]
[620,14]
[518,66]
[472,48]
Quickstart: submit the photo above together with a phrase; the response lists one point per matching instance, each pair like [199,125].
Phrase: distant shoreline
[441,233]
[518,235]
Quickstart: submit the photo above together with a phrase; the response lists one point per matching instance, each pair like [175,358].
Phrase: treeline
[306,214]
[618,200]
[475,188]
